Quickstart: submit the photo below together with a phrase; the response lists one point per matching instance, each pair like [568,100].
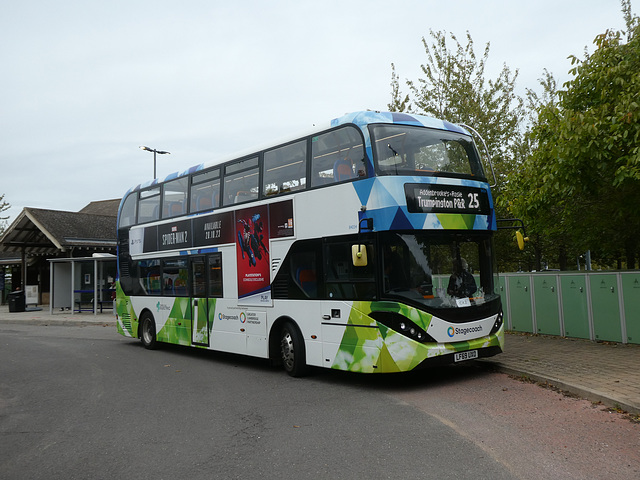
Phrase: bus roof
[361,119]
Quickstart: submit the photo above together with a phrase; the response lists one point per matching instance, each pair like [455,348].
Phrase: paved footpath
[598,371]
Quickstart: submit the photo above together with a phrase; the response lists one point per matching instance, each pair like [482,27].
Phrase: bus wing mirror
[359,255]
[521,239]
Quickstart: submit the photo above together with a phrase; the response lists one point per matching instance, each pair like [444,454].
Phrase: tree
[519,185]
[3,220]
[582,179]
[453,87]
[398,102]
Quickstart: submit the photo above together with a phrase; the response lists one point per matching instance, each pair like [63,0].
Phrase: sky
[84,83]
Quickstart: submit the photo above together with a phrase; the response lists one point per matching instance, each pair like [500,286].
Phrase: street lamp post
[159,152]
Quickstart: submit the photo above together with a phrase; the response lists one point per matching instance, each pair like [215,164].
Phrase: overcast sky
[84,83]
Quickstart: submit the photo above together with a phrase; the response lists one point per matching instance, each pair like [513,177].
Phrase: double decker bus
[364,245]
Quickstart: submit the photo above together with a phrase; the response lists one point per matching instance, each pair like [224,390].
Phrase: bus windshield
[407,150]
[439,271]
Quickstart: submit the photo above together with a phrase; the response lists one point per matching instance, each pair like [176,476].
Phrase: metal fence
[603,306]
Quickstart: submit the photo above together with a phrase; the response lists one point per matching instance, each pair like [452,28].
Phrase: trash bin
[16,301]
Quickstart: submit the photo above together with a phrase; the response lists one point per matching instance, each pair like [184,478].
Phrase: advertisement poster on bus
[254,227]
[252,251]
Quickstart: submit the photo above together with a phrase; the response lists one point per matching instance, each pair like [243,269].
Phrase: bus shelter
[82,284]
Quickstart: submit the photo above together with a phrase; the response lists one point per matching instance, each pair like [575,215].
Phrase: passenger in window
[461,283]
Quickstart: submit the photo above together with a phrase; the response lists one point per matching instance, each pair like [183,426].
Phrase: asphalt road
[88,403]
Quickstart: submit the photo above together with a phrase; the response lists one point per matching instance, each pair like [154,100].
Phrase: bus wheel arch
[287,347]
[147,330]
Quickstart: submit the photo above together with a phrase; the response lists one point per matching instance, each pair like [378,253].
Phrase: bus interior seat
[176,209]
[243,196]
[204,203]
[306,279]
[342,170]
[179,287]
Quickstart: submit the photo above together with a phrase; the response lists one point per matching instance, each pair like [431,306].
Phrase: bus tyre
[292,350]
[148,331]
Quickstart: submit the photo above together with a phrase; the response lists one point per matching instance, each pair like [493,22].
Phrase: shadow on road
[434,377]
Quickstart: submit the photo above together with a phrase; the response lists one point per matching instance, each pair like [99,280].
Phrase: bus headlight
[402,325]
[497,324]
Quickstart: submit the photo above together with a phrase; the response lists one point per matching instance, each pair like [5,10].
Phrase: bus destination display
[446,199]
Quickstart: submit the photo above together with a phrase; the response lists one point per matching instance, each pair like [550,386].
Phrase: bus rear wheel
[148,331]
[292,350]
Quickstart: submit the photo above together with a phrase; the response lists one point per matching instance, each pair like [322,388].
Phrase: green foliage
[398,102]
[453,87]
[580,185]
[3,206]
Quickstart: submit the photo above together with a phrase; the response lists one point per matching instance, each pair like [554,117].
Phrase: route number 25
[473,200]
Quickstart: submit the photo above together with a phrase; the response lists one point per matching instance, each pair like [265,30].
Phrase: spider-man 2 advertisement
[254,227]
[252,247]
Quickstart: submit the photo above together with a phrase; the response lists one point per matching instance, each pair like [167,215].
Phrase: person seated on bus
[461,283]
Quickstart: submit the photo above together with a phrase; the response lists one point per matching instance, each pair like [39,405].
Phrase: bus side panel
[172,316]
[357,347]
[312,207]
[238,329]
[307,315]
[127,320]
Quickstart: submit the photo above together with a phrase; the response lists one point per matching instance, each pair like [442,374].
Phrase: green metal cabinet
[575,306]
[520,311]
[546,304]
[631,294]
[605,306]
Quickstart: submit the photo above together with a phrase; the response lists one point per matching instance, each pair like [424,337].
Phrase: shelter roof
[49,232]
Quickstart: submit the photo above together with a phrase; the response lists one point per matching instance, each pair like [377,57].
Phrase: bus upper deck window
[174,197]
[337,156]
[128,212]
[149,205]
[285,169]
[205,191]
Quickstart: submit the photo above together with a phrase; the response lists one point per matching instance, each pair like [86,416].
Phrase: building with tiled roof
[39,234]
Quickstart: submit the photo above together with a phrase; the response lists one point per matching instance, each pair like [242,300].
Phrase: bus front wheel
[148,331]
[292,350]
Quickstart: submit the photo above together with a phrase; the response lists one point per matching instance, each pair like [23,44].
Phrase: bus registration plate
[462,356]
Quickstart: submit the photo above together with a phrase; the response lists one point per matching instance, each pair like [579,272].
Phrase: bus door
[350,276]
[199,302]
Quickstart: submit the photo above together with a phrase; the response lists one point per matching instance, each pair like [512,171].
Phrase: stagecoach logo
[253,318]
[162,306]
[463,331]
